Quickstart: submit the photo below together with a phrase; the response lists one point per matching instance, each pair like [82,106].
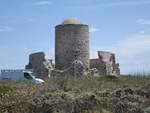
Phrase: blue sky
[120,26]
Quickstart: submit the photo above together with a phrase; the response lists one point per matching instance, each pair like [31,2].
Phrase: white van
[19,75]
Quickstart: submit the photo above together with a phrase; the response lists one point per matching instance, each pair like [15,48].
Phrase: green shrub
[108,78]
[10,99]
[78,95]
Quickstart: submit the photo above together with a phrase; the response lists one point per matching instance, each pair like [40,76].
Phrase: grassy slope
[105,94]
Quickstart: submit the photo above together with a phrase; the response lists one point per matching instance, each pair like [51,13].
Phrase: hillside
[105,94]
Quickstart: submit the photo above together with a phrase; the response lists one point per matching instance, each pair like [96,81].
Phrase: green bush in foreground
[10,99]
[104,94]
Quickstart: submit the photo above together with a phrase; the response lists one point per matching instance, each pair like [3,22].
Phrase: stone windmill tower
[71,43]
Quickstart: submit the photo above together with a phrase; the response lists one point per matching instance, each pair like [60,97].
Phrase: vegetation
[104,94]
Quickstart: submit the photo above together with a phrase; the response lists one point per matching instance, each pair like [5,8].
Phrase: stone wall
[75,70]
[99,65]
[39,65]
[71,43]
[107,56]
[106,63]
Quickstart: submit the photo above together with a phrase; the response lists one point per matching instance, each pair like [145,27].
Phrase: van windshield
[29,76]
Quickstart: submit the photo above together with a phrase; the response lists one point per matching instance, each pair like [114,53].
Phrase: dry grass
[105,94]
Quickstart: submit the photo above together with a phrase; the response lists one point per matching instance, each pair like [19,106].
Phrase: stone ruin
[105,63]
[39,65]
[72,54]
[76,69]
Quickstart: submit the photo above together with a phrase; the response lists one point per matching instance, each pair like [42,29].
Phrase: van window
[28,76]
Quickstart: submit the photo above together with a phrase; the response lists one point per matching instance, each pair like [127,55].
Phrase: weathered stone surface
[77,69]
[71,43]
[106,64]
[117,69]
[93,72]
[39,65]
[99,65]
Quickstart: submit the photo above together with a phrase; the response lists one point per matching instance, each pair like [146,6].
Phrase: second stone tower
[71,43]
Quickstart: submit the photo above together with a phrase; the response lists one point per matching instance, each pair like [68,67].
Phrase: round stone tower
[71,43]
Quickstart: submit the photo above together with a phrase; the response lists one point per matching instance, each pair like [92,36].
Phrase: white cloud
[143,21]
[143,32]
[146,31]
[133,53]
[92,29]
[130,3]
[43,3]
[131,46]
[117,4]
[134,45]
[5,28]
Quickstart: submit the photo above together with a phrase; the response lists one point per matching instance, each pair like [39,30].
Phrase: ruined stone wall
[99,65]
[76,69]
[35,60]
[106,56]
[71,43]
[106,63]
[39,65]
[117,69]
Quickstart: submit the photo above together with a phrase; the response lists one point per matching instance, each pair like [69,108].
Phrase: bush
[104,94]
[11,99]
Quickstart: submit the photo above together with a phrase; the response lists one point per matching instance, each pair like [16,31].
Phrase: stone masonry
[39,65]
[72,54]
[72,43]
[76,69]
[99,65]
[106,63]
